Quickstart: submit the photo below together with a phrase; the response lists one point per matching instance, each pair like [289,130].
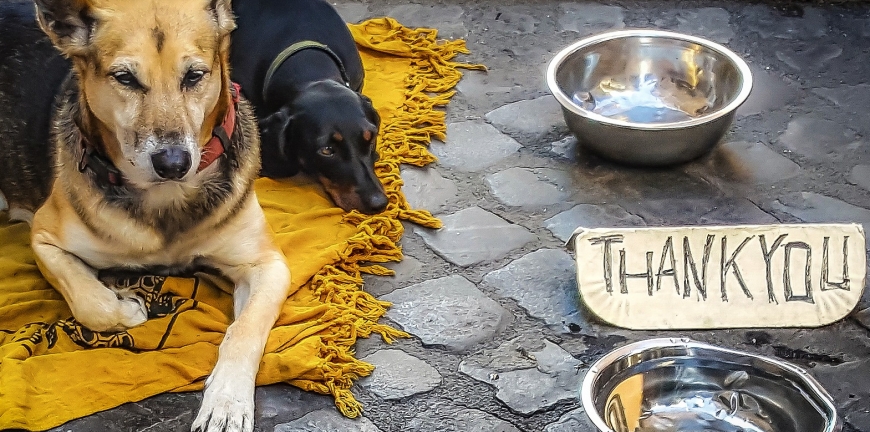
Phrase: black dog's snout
[171,163]
[376,203]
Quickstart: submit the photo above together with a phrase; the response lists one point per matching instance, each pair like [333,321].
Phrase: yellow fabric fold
[53,370]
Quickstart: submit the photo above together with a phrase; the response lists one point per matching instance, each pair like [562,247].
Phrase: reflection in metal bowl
[671,385]
[648,97]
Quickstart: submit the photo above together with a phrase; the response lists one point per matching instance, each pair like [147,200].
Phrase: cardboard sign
[721,276]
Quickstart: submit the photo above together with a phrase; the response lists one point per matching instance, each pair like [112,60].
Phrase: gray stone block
[405,269]
[769,92]
[352,12]
[555,377]
[441,418]
[327,420]
[529,186]
[813,207]
[448,311]
[851,100]
[544,283]
[763,165]
[447,19]
[426,189]
[535,118]
[473,235]
[860,176]
[589,18]
[590,216]
[573,421]
[473,146]
[711,22]
[398,375]
[514,22]
[822,140]
[567,148]
[809,56]
[704,211]
[768,23]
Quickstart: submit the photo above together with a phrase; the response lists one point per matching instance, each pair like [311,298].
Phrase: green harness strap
[295,48]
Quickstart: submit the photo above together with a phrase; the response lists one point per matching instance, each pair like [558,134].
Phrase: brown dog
[155,158]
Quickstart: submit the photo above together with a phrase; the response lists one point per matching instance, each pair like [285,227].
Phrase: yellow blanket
[53,370]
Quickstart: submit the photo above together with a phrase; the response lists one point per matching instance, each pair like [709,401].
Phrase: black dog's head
[329,132]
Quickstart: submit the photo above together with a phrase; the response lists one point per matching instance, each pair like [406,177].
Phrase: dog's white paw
[113,311]
[225,408]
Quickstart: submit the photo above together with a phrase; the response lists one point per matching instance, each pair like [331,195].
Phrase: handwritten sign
[721,276]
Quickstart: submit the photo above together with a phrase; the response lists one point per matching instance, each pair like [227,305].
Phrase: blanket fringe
[404,139]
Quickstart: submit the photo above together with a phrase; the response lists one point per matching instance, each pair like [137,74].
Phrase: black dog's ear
[273,131]
[68,23]
[278,158]
[371,113]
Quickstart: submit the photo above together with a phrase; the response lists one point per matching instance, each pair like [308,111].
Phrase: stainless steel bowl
[666,385]
[648,97]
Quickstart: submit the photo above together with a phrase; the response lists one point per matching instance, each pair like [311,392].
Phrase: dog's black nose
[376,203]
[171,163]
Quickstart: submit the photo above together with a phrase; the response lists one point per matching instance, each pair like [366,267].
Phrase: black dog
[31,71]
[298,64]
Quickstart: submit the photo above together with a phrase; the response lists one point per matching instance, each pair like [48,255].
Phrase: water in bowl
[651,100]
[668,396]
[719,411]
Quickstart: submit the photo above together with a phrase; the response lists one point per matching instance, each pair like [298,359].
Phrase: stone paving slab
[453,419]
[554,377]
[544,284]
[398,375]
[534,119]
[473,146]
[449,312]
[426,188]
[591,216]
[327,420]
[530,187]
[473,235]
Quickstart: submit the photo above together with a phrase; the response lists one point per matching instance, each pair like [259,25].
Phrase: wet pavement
[500,343]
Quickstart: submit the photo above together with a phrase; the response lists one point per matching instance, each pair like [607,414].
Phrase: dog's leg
[228,399]
[93,304]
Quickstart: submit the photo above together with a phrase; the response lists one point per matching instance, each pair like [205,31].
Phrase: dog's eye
[192,78]
[126,79]
[326,151]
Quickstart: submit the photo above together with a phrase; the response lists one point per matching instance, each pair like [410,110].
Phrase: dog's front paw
[226,407]
[112,311]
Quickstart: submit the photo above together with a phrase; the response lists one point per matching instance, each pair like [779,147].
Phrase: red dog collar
[221,134]
[106,172]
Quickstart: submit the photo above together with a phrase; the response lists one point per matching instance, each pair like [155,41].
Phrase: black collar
[104,170]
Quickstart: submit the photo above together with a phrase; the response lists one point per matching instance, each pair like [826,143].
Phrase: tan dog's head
[153,78]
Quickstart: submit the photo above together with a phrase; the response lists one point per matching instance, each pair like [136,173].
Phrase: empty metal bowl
[648,97]
[671,385]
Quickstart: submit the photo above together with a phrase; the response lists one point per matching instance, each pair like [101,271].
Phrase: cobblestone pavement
[499,342]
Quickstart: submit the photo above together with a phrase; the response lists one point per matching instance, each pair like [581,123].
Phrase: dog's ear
[370,111]
[222,11]
[68,23]
[274,129]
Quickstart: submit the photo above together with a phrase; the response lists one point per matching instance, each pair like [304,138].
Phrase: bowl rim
[566,102]
[589,380]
